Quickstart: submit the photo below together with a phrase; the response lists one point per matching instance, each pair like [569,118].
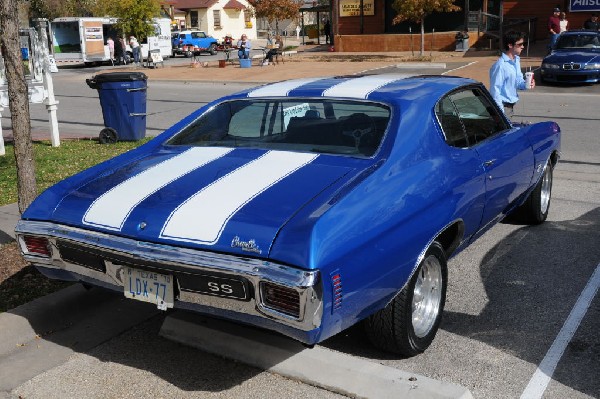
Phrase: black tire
[188,54]
[212,49]
[108,135]
[537,205]
[392,329]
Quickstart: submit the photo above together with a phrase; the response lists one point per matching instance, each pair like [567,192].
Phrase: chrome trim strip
[306,283]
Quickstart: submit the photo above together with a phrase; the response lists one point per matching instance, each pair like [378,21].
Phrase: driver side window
[479,117]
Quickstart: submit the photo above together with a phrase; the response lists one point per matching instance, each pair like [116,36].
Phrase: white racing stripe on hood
[280,89]
[112,208]
[360,87]
[203,216]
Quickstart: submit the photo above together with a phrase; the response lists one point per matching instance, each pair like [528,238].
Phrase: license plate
[148,286]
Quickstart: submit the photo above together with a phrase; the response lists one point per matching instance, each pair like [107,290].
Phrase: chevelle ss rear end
[302,207]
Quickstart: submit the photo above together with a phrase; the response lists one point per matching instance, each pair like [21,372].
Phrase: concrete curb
[44,333]
[9,216]
[334,371]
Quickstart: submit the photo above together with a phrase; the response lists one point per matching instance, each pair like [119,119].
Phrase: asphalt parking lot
[507,324]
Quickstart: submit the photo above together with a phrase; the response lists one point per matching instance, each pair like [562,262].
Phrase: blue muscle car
[575,58]
[302,207]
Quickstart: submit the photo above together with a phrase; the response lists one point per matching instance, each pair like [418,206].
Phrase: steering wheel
[359,126]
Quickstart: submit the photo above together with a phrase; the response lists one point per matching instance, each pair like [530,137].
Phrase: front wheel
[409,323]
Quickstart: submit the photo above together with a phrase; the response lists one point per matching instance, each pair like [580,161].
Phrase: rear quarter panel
[374,235]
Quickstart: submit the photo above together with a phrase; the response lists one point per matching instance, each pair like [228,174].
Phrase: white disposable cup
[528,79]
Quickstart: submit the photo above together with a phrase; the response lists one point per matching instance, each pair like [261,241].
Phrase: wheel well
[554,158]
[451,236]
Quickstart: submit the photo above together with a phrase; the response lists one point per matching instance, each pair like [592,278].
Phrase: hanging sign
[584,5]
[351,8]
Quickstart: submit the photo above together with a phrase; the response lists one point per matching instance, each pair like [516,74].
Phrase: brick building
[374,31]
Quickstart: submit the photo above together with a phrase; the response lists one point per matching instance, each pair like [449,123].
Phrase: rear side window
[467,117]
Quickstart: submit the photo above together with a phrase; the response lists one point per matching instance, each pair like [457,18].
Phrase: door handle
[489,163]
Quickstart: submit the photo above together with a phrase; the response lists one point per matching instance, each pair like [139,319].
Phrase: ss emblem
[220,288]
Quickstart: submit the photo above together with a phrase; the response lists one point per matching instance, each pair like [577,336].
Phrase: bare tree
[275,10]
[418,10]
[18,102]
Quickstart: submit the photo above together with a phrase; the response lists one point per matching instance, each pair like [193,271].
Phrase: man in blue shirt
[506,76]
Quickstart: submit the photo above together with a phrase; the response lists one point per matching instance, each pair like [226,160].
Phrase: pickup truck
[189,41]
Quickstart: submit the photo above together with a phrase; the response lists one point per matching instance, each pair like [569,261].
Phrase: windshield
[311,125]
[587,41]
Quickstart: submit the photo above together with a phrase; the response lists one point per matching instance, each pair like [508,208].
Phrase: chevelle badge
[248,246]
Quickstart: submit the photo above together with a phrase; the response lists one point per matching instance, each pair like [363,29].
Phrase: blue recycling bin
[123,101]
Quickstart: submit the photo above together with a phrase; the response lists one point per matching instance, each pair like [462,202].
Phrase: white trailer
[79,40]
[82,40]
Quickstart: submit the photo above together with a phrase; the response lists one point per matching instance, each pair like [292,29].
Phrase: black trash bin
[123,101]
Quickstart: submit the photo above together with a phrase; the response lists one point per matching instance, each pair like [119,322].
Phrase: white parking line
[456,69]
[542,376]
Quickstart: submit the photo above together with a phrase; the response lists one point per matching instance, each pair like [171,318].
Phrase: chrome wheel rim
[545,191]
[427,296]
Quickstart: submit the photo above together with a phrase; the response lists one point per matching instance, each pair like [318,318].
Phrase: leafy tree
[275,10]
[18,99]
[134,16]
[51,9]
[418,10]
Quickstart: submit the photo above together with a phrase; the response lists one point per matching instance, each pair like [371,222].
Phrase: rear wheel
[189,54]
[409,323]
[108,135]
[212,49]
[535,209]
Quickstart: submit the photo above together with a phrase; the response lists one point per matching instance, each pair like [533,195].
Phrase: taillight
[282,299]
[35,245]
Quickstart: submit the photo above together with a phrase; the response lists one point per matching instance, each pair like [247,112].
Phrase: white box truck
[82,40]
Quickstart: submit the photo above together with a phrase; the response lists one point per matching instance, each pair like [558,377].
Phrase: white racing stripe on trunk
[280,89]
[112,208]
[360,87]
[203,216]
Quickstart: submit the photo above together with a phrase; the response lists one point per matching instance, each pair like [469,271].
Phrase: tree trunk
[18,103]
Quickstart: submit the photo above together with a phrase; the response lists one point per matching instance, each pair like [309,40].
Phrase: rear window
[311,125]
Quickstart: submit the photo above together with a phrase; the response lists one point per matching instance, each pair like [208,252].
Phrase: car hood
[566,57]
[222,199]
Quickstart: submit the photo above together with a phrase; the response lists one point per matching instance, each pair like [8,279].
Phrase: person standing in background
[554,27]
[111,48]
[135,49]
[327,30]
[563,23]
[506,76]
[120,51]
[592,23]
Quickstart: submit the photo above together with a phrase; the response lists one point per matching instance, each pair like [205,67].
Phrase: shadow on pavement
[530,295]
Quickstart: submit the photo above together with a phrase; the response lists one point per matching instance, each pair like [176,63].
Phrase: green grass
[53,164]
